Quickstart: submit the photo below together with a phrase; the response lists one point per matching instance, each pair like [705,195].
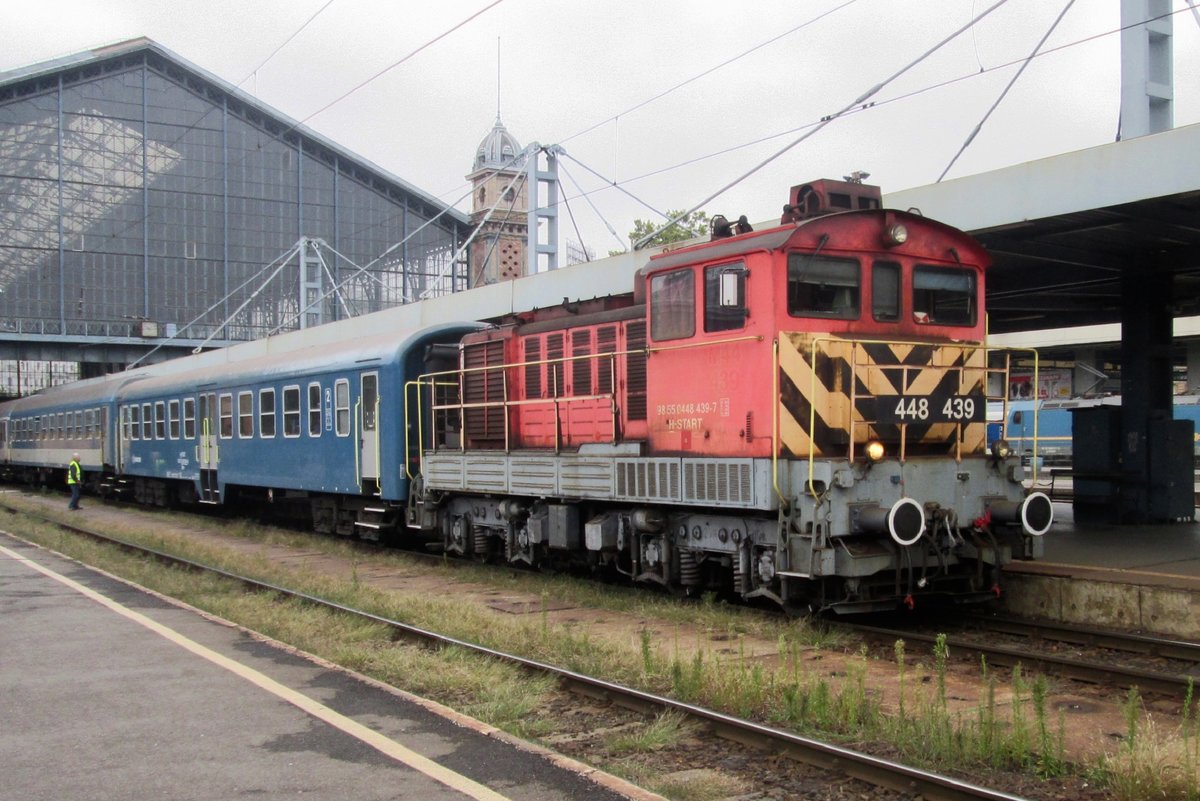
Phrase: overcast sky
[567,65]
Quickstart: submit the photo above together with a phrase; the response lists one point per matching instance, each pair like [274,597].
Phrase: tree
[689,227]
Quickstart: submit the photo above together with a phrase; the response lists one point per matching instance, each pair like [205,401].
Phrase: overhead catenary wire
[979,126]
[615,185]
[857,102]
[708,71]
[285,42]
[873,105]
[401,60]
[587,197]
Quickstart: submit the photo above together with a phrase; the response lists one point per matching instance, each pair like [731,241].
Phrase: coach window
[341,391]
[266,413]
[370,397]
[822,286]
[160,420]
[189,418]
[673,305]
[173,418]
[87,431]
[725,297]
[245,414]
[135,421]
[885,291]
[943,295]
[291,411]
[225,413]
[314,410]
[147,421]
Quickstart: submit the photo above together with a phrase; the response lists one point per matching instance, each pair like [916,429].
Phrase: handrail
[554,399]
[378,450]
[408,427]
[357,444]
[775,423]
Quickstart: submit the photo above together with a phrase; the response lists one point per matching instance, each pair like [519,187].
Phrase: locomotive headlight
[1001,449]
[897,234]
[875,450]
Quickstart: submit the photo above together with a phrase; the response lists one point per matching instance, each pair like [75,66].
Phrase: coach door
[207,452]
[368,432]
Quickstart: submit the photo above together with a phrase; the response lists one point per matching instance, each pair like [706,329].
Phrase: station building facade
[147,203]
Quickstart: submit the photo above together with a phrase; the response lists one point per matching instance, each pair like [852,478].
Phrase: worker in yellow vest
[74,481]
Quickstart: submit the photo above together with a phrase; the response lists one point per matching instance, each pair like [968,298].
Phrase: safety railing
[456,381]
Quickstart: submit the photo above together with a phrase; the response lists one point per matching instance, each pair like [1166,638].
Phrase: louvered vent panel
[484,386]
[606,342]
[554,350]
[533,372]
[581,369]
[635,370]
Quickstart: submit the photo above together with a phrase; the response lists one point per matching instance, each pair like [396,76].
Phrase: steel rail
[1084,670]
[1133,642]
[870,769]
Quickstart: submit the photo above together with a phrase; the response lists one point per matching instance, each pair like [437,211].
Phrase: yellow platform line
[379,742]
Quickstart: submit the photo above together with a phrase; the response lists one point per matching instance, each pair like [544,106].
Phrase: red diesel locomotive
[795,414]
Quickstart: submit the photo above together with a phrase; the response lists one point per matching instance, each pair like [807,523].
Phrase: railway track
[1181,659]
[873,770]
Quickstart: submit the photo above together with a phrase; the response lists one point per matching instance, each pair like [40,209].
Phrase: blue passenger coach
[321,428]
[40,432]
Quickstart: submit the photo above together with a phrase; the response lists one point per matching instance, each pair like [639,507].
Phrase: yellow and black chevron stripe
[819,376]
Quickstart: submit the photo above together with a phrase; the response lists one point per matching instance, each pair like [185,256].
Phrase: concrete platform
[109,692]
[1132,577]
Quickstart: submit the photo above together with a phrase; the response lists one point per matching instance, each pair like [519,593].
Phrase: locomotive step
[376,510]
[374,526]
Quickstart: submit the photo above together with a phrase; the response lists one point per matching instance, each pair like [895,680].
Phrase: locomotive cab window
[821,286]
[885,291]
[673,305]
[725,297]
[943,295]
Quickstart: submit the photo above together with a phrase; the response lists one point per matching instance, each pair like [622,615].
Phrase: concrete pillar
[1146,397]
[1147,81]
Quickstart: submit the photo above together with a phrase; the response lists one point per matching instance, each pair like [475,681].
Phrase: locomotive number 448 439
[931,409]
